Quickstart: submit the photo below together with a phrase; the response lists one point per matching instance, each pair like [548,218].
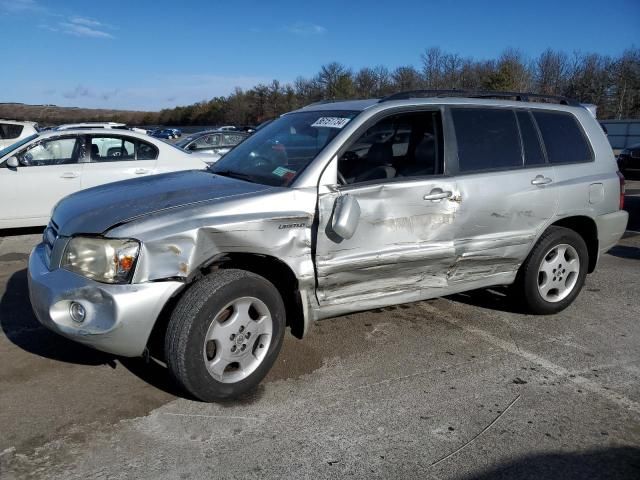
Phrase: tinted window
[404,145]
[562,137]
[9,131]
[532,150]
[487,139]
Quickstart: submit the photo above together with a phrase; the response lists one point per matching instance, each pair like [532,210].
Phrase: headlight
[106,260]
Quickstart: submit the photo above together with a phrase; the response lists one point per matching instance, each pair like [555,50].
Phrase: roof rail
[517,96]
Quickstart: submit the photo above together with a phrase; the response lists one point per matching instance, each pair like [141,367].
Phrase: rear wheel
[554,273]
[224,334]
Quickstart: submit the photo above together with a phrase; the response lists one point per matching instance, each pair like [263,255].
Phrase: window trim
[580,129]
[377,118]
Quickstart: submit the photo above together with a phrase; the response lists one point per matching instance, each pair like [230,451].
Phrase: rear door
[507,193]
[114,157]
[49,170]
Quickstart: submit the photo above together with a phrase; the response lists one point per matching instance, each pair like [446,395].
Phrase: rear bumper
[611,227]
[119,317]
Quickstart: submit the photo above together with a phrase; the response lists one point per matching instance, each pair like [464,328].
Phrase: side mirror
[346,216]
[13,163]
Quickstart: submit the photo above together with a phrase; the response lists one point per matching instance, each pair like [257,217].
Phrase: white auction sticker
[331,122]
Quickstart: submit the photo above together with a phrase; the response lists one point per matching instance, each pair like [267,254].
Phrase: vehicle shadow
[606,463]
[625,251]
[494,298]
[21,327]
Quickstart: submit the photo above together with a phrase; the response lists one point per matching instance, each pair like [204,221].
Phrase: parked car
[167,133]
[88,125]
[39,170]
[213,142]
[12,131]
[629,160]
[474,193]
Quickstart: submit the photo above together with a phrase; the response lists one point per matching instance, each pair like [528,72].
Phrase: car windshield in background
[17,145]
[275,154]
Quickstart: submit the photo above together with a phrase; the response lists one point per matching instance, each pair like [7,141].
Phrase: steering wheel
[341,178]
[263,161]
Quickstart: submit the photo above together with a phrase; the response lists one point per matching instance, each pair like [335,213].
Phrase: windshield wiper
[233,174]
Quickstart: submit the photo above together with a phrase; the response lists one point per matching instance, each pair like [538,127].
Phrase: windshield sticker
[331,122]
[283,172]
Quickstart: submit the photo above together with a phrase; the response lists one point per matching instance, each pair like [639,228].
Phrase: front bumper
[119,318]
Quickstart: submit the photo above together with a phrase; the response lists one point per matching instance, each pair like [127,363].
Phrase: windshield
[275,154]
[17,145]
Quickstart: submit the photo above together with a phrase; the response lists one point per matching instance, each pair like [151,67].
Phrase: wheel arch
[587,229]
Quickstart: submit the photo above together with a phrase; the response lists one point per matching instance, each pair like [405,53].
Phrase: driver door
[49,170]
[403,243]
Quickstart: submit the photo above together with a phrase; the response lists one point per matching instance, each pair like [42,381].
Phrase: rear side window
[563,138]
[530,142]
[9,131]
[488,139]
[146,151]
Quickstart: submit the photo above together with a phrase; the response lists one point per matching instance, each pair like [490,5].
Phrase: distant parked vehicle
[87,125]
[168,133]
[212,142]
[39,170]
[629,160]
[12,131]
[227,128]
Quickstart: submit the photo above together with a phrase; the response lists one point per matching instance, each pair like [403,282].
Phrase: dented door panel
[408,248]
[402,242]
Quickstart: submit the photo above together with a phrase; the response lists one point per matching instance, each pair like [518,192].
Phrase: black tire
[190,322]
[526,285]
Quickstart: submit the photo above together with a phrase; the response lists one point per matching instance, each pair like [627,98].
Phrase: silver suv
[334,208]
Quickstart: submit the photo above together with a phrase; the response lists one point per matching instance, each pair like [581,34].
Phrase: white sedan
[39,170]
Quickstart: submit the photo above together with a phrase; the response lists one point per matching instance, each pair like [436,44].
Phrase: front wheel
[554,273]
[225,334]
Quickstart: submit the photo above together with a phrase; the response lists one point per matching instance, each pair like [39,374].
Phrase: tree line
[611,83]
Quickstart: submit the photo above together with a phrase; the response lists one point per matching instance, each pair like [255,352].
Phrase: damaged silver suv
[334,208]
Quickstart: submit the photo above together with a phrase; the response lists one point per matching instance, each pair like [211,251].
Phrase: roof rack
[517,96]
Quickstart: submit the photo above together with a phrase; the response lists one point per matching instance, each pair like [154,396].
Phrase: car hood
[97,209]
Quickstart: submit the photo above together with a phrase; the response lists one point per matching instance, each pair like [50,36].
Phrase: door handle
[541,180]
[69,175]
[141,171]
[437,194]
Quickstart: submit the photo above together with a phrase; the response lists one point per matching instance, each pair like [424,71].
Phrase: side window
[403,145]
[111,149]
[488,139]
[530,139]
[146,151]
[563,138]
[9,131]
[206,142]
[57,151]
[231,140]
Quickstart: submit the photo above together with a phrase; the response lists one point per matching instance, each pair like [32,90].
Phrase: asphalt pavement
[458,387]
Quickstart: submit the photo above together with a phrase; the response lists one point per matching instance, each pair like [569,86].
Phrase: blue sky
[149,55]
